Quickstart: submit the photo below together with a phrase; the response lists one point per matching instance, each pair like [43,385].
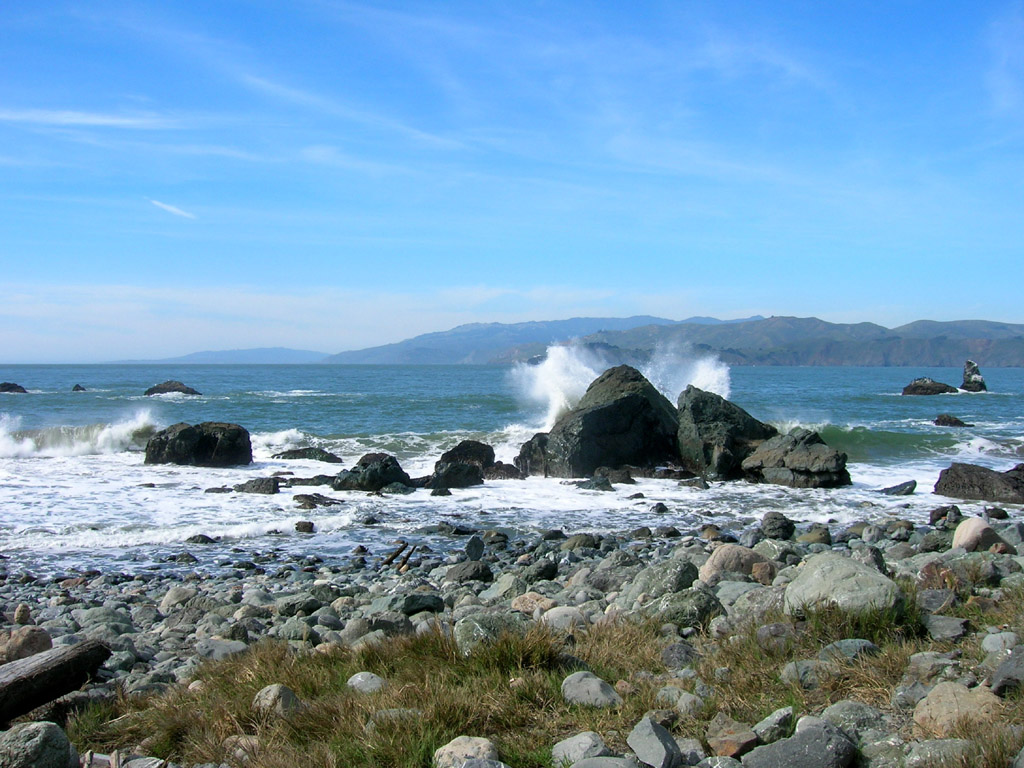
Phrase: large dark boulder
[210,444]
[456,475]
[800,459]
[621,419]
[969,481]
[462,466]
[468,452]
[973,380]
[170,386]
[926,386]
[11,388]
[371,473]
[715,436]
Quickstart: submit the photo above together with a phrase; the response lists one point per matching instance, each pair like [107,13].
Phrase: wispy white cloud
[75,119]
[173,209]
[1005,76]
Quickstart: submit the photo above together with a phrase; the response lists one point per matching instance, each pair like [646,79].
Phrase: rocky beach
[758,638]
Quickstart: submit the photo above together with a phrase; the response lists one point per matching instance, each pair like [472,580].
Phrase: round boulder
[833,580]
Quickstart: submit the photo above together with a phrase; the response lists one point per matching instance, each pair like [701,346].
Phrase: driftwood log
[36,680]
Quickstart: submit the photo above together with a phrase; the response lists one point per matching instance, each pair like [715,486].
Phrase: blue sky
[333,175]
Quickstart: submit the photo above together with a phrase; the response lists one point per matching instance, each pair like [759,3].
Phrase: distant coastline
[759,341]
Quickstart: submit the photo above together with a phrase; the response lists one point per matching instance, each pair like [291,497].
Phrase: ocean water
[75,493]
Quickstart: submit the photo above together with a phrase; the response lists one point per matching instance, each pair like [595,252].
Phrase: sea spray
[558,382]
[129,435]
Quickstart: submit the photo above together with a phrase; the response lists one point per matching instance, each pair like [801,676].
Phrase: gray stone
[679,655]
[945,628]
[719,761]
[674,575]
[807,673]
[833,580]
[367,682]
[854,718]
[505,587]
[217,650]
[35,745]
[175,597]
[849,649]
[816,744]
[714,435]
[800,459]
[654,745]
[692,751]
[471,570]
[463,748]
[578,747]
[605,762]
[689,608]
[276,699]
[928,754]
[471,631]
[999,641]
[1009,673]
[775,726]
[589,690]
[475,547]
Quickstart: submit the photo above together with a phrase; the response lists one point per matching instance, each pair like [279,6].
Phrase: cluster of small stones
[703,587]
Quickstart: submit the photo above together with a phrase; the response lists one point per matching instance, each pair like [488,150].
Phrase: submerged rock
[715,435]
[170,386]
[973,380]
[969,481]
[313,454]
[621,420]
[948,420]
[209,444]
[927,386]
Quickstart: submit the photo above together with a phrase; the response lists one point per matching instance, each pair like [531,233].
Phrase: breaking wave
[129,435]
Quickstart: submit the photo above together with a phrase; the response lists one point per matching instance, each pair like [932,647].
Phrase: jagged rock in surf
[9,387]
[800,459]
[969,481]
[715,435]
[468,452]
[210,444]
[462,466]
[621,419]
[948,420]
[927,386]
[170,386]
[78,388]
[372,472]
[502,471]
[973,380]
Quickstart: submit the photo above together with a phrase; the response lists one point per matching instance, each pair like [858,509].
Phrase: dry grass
[509,691]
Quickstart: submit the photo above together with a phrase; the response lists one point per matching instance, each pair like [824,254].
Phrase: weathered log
[37,680]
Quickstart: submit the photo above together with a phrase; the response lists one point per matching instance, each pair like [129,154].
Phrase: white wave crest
[128,435]
[266,443]
[558,382]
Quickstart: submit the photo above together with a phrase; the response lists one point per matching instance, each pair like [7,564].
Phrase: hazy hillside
[261,356]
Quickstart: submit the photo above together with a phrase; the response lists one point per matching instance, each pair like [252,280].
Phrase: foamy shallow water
[75,493]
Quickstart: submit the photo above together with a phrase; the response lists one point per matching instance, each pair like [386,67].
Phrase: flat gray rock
[578,747]
[588,689]
[816,744]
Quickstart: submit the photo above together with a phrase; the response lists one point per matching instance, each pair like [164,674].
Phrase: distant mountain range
[261,356]
[749,341]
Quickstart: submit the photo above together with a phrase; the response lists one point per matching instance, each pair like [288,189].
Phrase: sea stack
[927,386]
[973,380]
